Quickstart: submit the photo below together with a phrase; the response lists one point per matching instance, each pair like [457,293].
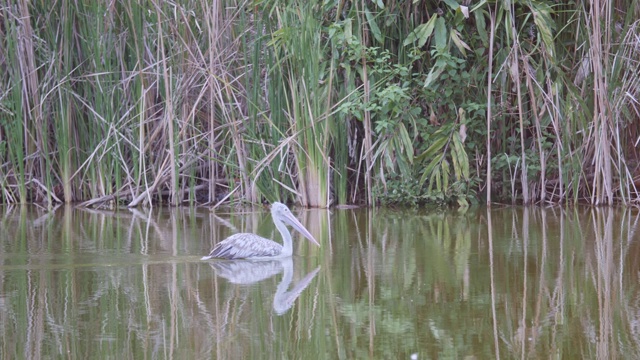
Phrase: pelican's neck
[281,301]
[287,266]
[287,246]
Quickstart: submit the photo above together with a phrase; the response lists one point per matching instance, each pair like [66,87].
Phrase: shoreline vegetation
[131,103]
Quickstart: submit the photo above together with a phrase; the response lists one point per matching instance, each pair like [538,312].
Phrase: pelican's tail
[206,257]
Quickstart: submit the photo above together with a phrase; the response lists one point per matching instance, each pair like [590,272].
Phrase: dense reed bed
[201,102]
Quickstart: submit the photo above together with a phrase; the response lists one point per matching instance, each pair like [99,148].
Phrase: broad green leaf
[375,30]
[406,141]
[433,74]
[434,148]
[348,29]
[546,26]
[478,5]
[441,34]
[429,170]
[435,178]
[452,4]
[456,163]
[500,16]
[461,45]
[481,26]
[421,33]
[427,30]
[446,172]
[388,160]
[461,156]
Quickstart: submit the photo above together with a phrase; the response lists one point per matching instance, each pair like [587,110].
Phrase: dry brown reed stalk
[249,192]
[31,106]
[227,93]
[169,113]
[530,78]
[284,147]
[626,108]
[368,147]
[492,19]
[213,18]
[514,67]
[554,113]
[602,116]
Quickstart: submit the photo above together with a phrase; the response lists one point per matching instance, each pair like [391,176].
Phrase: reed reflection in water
[505,283]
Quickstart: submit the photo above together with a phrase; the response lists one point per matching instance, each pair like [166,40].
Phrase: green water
[386,284]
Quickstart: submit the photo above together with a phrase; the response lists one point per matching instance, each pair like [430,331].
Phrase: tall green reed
[304,72]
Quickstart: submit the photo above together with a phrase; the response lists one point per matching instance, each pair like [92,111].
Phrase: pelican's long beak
[298,226]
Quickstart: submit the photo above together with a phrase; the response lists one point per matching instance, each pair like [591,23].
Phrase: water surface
[386,284]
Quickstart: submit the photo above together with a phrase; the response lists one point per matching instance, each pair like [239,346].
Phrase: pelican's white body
[252,246]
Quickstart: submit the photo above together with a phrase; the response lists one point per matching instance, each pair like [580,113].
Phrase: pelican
[252,246]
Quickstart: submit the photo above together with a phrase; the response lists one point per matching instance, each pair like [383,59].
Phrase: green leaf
[452,4]
[437,145]
[481,26]
[429,171]
[478,5]
[421,33]
[461,157]
[441,34]
[456,164]
[462,202]
[406,141]
[461,45]
[375,30]
[446,172]
[435,71]
[546,26]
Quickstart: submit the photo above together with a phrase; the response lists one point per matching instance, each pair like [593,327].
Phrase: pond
[385,284]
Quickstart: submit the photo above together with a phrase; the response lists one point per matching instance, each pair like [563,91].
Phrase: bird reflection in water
[246,272]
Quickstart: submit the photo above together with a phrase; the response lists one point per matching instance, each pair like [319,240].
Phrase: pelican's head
[280,211]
